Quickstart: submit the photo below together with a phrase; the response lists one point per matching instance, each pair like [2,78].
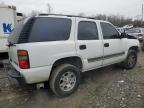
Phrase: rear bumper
[32,75]
[16,75]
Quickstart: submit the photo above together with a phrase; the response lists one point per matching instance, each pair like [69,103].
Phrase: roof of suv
[65,15]
[61,15]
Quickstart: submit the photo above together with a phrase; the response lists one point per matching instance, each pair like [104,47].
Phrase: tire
[65,80]
[130,61]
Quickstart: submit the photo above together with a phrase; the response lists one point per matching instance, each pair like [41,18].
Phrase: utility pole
[142,14]
[49,10]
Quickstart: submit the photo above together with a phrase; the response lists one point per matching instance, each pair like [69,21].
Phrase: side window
[109,32]
[87,30]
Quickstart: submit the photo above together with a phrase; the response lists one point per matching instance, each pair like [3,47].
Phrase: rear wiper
[11,44]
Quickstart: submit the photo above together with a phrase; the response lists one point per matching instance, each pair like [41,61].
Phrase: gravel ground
[109,87]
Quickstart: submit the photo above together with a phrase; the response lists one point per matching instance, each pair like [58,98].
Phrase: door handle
[82,47]
[106,45]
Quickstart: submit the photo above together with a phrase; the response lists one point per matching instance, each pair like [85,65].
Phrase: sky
[127,8]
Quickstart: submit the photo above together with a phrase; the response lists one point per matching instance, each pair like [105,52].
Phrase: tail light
[23,59]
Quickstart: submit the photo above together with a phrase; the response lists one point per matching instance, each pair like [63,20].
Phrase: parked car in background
[137,32]
[124,28]
[120,29]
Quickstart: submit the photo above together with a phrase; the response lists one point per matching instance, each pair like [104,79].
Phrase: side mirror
[123,35]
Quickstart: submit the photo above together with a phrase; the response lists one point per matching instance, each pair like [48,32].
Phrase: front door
[114,47]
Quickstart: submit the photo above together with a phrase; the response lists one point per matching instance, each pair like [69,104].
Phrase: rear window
[50,29]
[41,29]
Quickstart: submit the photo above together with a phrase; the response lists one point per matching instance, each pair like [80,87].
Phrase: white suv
[57,48]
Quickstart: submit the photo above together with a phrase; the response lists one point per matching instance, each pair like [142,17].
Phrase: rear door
[13,55]
[89,43]
[13,40]
[114,47]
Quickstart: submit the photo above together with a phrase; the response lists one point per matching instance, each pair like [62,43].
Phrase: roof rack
[67,15]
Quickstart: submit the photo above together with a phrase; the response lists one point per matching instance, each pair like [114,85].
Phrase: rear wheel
[65,80]
[131,60]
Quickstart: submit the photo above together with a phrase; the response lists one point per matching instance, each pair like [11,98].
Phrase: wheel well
[76,61]
[134,48]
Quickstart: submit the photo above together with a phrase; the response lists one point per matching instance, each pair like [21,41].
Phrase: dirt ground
[109,87]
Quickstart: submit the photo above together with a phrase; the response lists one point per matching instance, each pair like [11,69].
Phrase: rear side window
[109,32]
[87,30]
[50,29]
[13,38]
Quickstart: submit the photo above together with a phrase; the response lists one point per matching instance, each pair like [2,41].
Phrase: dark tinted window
[13,38]
[109,32]
[87,31]
[50,29]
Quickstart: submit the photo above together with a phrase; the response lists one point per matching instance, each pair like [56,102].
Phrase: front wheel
[65,80]
[131,60]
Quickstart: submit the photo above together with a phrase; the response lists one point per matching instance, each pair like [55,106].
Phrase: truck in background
[8,19]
